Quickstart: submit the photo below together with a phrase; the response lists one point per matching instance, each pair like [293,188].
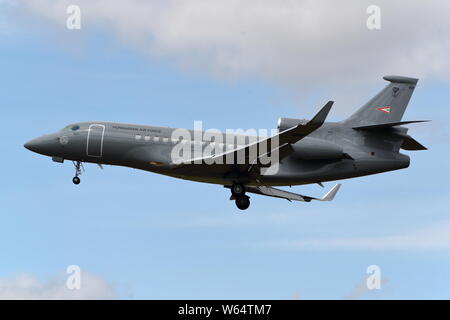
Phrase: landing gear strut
[78,166]
[237,189]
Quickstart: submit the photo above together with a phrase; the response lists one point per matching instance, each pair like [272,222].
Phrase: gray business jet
[307,152]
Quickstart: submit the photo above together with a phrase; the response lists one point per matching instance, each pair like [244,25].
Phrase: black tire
[76,180]
[237,189]
[243,202]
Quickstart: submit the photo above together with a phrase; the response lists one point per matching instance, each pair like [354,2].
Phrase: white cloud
[434,237]
[28,287]
[287,41]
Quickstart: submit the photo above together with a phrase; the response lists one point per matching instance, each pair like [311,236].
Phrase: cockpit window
[72,127]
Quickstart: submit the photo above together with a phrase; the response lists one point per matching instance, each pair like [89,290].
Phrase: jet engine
[310,148]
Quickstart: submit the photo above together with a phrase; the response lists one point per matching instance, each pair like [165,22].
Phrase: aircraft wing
[269,145]
[278,193]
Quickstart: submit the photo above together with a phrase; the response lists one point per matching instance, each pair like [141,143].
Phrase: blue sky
[143,235]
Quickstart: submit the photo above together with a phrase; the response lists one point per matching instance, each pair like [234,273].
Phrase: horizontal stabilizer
[401,79]
[387,125]
[278,193]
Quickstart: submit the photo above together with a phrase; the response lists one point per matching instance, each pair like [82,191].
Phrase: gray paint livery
[313,151]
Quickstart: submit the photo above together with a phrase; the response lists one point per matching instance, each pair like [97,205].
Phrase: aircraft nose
[46,145]
[33,145]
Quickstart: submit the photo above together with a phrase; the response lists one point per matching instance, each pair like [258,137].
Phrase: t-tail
[388,106]
[385,111]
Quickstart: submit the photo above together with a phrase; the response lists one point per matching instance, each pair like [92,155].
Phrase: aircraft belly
[305,172]
[292,172]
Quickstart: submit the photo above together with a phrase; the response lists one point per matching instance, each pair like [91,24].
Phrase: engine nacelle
[310,148]
[317,149]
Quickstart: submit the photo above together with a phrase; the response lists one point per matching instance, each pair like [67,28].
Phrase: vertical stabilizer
[388,105]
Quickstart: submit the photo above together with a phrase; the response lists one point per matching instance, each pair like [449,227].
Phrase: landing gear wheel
[237,190]
[243,202]
[76,180]
[78,166]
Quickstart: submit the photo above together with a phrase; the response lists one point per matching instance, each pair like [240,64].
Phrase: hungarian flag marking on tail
[386,109]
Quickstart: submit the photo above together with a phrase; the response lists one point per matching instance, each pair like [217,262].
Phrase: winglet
[330,194]
[320,117]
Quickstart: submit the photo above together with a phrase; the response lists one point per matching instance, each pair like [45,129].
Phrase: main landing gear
[78,166]
[237,189]
[243,202]
[238,192]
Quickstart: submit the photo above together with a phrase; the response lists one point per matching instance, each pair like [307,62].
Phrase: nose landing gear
[78,166]
[76,180]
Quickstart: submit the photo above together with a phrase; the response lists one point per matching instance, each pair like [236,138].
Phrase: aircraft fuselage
[332,152]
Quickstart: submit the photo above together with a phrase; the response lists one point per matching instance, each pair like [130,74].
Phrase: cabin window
[138,137]
[147,138]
